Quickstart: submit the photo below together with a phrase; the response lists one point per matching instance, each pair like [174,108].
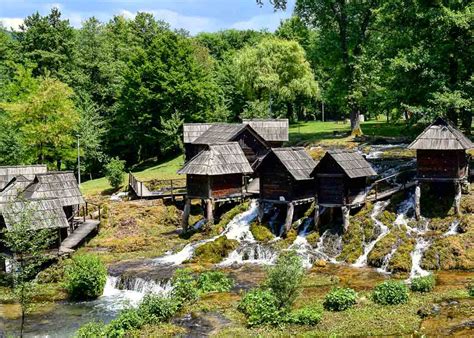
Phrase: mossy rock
[313,238]
[401,259]
[260,232]
[388,218]
[441,224]
[381,249]
[466,223]
[215,251]
[452,252]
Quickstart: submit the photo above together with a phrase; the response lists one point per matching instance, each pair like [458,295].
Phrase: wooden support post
[346,211]
[209,211]
[289,216]
[261,209]
[186,211]
[457,198]
[316,212]
[417,201]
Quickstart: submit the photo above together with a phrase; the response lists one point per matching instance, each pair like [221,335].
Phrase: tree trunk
[355,122]
[466,120]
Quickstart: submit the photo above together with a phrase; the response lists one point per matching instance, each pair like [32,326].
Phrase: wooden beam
[417,201]
[289,216]
[186,212]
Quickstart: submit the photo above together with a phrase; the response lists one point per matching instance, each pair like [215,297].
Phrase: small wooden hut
[216,174]
[441,157]
[274,131]
[61,185]
[285,179]
[341,181]
[252,144]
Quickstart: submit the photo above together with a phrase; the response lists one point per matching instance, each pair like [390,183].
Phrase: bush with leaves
[470,288]
[114,171]
[214,281]
[423,284]
[340,299]
[260,307]
[305,316]
[92,330]
[285,277]
[184,286]
[157,308]
[85,277]
[127,320]
[390,293]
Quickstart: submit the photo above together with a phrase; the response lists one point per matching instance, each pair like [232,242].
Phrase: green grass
[165,170]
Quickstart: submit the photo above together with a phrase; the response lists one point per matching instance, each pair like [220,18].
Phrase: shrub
[423,284]
[128,319]
[390,293]
[92,330]
[157,308]
[285,278]
[184,286]
[340,299]
[260,307]
[470,288]
[305,316]
[214,281]
[215,251]
[114,171]
[85,277]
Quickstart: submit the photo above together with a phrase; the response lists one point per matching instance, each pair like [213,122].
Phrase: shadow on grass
[111,191]
[152,162]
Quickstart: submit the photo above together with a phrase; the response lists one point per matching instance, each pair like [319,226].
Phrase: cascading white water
[235,229]
[453,229]
[420,247]
[384,230]
[386,260]
[329,245]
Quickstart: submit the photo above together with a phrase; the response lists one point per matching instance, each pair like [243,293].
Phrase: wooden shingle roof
[7,173]
[270,129]
[219,133]
[43,213]
[296,160]
[218,159]
[441,135]
[16,186]
[192,131]
[61,185]
[351,162]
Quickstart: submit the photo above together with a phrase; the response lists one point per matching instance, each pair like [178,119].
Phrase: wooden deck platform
[79,235]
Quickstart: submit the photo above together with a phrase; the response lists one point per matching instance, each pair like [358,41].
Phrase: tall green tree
[48,42]
[276,71]
[46,120]
[344,28]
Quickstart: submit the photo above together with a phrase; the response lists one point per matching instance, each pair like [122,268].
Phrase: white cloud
[13,23]
[264,21]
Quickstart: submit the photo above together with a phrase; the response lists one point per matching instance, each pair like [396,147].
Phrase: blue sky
[193,15]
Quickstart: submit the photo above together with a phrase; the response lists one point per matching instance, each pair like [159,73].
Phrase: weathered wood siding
[443,164]
[224,186]
[354,187]
[198,186]
[251,146]
[302,189]
[331,190]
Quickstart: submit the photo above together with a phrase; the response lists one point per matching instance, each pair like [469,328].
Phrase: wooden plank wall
[441,163]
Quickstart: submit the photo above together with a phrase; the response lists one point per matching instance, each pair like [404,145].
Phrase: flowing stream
[384,230]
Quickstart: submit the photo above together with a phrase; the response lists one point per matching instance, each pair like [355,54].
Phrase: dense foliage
[214,281]
[340,299]
[423,284]
[390,293]
[260,307]
[125,87]
[85,277]
[115,171]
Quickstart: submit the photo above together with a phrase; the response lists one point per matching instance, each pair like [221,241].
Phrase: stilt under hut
[216,174]
[341,182]
[441,157]
[285,179]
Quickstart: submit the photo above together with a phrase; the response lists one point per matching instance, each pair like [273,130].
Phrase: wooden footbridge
[167,189]
[382,189]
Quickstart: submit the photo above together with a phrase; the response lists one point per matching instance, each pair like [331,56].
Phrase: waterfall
[453,229]
[251,252]
[384,230]
[237,228]
[386,260]
[330,245]
[421,246]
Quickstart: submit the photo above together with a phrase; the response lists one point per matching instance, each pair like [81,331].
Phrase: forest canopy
[124,88]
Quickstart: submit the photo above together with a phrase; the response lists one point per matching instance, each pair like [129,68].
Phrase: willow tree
[276,71]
